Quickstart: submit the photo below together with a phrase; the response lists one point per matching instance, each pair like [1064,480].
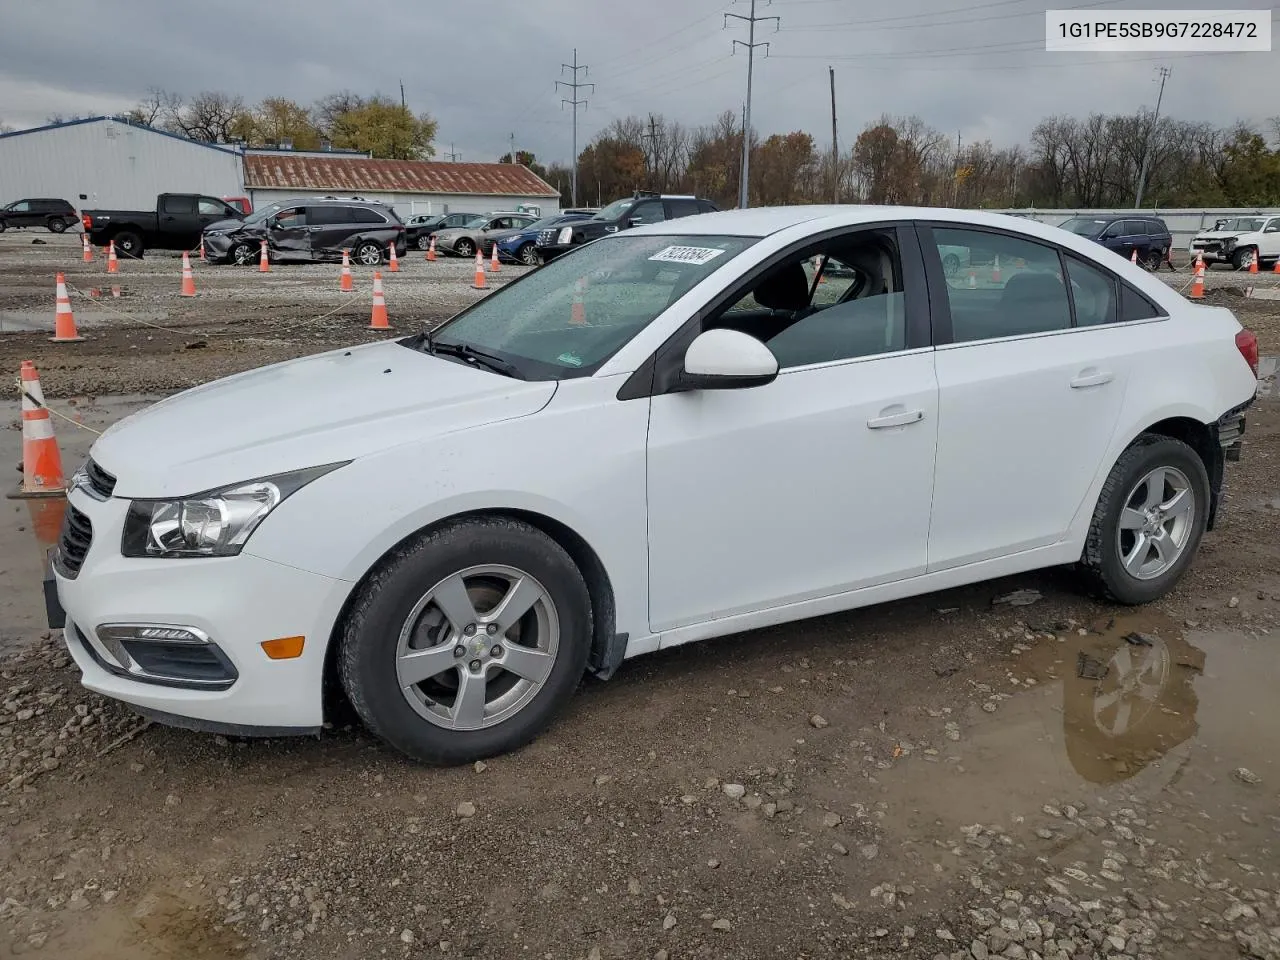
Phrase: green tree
[278,118]
[381,127]
[1251,174]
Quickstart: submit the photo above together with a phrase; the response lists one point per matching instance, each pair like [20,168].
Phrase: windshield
[1244,225]
[262,213]
[1084,226]
[614,210]
[569,316]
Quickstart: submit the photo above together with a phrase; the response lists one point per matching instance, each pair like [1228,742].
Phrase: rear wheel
[467,641]
[1149,520]
[3,225]
[56,225]
[128,244]
[1154,258]
[369,253]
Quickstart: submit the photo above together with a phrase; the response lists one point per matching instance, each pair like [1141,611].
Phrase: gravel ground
[930,778]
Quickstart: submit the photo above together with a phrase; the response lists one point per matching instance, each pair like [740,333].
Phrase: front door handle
[896,420]
[1092,378]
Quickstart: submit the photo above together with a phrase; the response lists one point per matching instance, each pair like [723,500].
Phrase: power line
[575,103]
[751,45]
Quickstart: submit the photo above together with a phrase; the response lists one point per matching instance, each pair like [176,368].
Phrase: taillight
[1247,343]
[87,221]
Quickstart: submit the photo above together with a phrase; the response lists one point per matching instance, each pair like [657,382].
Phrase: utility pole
[453,157]
[575,103]
[652,159]
[835,148]
[402,104]
[751,21]
[1146,152]
[513,147]
[955,174]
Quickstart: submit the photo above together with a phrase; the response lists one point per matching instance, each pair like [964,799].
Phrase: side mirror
[634,221]
[727,360]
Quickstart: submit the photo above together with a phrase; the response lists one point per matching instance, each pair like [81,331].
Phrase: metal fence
[1184,223]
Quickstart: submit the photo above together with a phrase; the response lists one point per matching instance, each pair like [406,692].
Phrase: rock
[594,954]
[466,809]
[944,934]
[1238,910]
[818,721]
[952,730]
[661,955]
[481,766]
[869,850]
[633,887]
[990,706]
[406,936]
[1019,598]
[1044,833]
[840,848]
[998,940]
[668,921]
[979,950]
[1115,943]
[831,820]
[752,802]
[1015,951]
[1233,602]
[734,791]
[25,714]
[713,863]
[721,924]
[1245,775]
[602,779]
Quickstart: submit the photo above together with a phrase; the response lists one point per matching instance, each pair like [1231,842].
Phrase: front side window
[1273,226]
[22,206]
[290,218]
[650,211]
[212,208]
[839,300]
[569,316]
[615,210]
[1012,287]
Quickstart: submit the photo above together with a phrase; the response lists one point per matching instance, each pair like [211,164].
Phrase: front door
[1028,404]
[289,236]
[819,482]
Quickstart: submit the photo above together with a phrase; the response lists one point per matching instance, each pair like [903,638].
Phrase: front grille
[73,543]
[101,481]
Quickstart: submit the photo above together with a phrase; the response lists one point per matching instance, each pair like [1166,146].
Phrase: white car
[672,433]
[1237,241]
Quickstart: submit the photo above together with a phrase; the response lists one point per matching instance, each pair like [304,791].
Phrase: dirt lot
[930,778]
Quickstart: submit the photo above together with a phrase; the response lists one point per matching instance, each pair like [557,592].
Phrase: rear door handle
[896,420]
[1092,378]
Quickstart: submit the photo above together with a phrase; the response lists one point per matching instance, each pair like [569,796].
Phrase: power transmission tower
[453,157]
[1146,152]
[575,103]
[652,137]
[751,45]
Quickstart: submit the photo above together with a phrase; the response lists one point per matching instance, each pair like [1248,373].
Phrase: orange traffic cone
[1133,258]
[264,262]
[578,312]
[188,281]
[379,319]
[88,248]
[1276,268]
[394,265]
[493,262]
[995,270]
[203,258]
[431,249]
[1197,283]
[973,279]
[479,281]
[347,285]
[41,460]
[64,322]
[1253,262]
[113,264]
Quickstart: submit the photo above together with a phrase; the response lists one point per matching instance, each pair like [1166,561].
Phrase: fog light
[284,648]
[162,653]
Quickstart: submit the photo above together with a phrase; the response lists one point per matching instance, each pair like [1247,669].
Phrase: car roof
[763,221]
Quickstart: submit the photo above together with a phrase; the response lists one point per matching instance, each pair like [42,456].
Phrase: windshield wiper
[469,353]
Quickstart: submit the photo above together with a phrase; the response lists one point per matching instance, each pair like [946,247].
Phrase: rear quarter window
[366,215]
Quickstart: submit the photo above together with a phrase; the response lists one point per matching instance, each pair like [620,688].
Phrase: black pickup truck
[175,224]
[642,207]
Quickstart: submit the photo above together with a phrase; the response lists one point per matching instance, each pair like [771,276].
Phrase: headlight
[212,524]
[1228,242]
[213,233]
[566,234]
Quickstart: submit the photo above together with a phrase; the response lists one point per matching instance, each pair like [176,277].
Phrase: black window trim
[941,309]
[658,373]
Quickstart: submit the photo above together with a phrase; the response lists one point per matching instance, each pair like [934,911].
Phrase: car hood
[508,234]
[330,407]
[224,226]
[453,233]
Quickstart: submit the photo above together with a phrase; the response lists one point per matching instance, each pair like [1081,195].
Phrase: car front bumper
[553,250]
[235,603]
[1208,251]
[217,246]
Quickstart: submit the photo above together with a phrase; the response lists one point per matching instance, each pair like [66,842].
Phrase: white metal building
[410,186]
[111,162]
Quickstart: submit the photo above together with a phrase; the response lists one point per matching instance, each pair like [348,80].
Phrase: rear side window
[1001,286]
[1156,227]
[329,215]
[179,205]
[1134,306]
[1093,291]
[366,215]
[682,208]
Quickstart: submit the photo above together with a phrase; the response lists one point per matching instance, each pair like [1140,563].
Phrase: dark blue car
[521,246]
[1149,236]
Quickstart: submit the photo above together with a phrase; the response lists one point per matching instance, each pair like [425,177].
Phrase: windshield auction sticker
[694,255]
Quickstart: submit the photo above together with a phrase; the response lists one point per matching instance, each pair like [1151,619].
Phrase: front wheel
[369,253]
[467,641]
[528,255]
[464,248]
[423,242]
[1240,258]
[244,253]
[1149,520]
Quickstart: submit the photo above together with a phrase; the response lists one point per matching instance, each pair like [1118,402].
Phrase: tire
[242,254]
[1240,258]
[423,242]
[3,225]
[1128,489]
[395,616]
[464,248]
[528,254]
[128,244]
[1155,257]
[368,253]
[56,225]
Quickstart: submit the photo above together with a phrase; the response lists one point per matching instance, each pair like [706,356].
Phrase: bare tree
[159,108]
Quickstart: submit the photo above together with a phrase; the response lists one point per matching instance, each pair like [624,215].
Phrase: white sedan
[679,431]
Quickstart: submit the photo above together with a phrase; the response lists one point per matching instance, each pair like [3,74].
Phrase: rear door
[1029,398]
[1269,239]
[329,226]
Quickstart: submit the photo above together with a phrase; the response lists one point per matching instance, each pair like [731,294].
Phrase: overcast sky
[487,69]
